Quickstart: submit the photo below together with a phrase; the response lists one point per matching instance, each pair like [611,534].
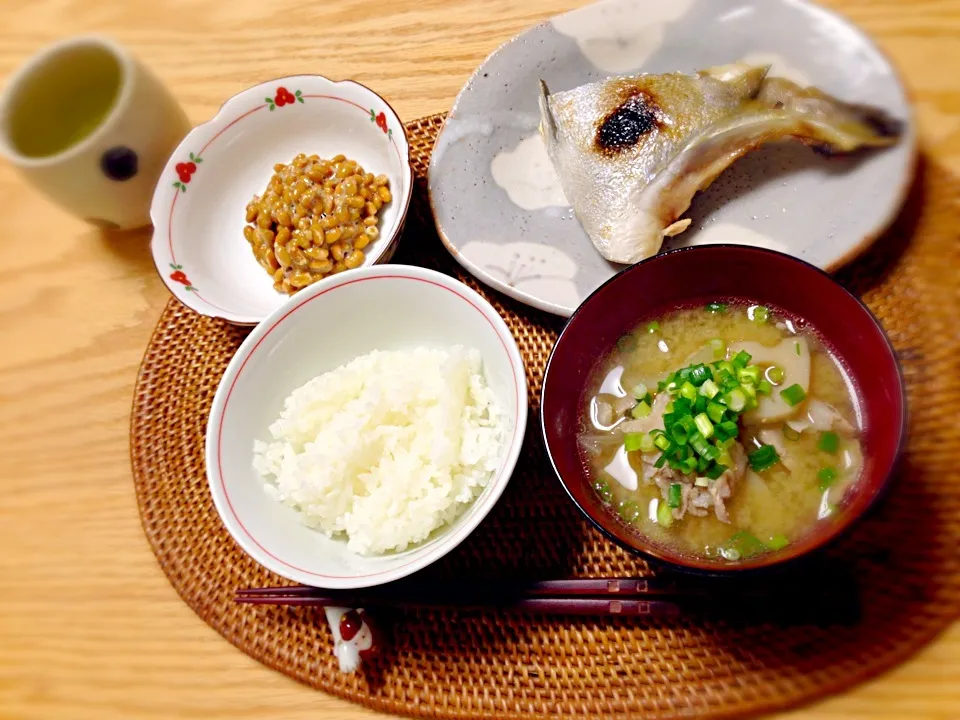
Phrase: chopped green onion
[699,444]
[704,425]
[726,367]
[763,458]
[750,374]
[664,515]
[699,375]
[719,348]
[796,346]
[700,405]
[775,374]
[702,465]
[603,490]
[633,441]
[682,406]
[709,389]
[640,391]
[701,482]
[828,442]
[627,343]
[744,545]
[715,412]
[827,476]
[678,434]
[760,314]
[646,443]
[749,390]
[640,410]
[725,459]
[661,461]
[716,307]
[736,400]
[661,442]
[764,388]
[741,359]
[726,430]
[716,471]
[675,495]
[653,327]
[689,464]
[793,395]
[778,542]
[629,510]
[789,433]
[688,391]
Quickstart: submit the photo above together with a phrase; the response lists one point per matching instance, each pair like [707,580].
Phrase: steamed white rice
[387,448]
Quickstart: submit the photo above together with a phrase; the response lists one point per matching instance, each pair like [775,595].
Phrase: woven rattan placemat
[470,664]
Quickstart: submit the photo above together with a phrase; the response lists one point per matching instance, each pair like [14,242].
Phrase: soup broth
[794,451]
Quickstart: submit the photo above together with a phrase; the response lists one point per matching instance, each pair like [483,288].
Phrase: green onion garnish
[742,545]
[827,476]
[633,441]
[690,464]
[715,412]
[710,389]
[828,442]
[719,349]
[741,359]
[778,542]
[699,374]
[796,346]
[736,400]
[661,442]
[674,495]
[678,434]
[760,314]
[764,388]
[775,374]
[603,490]
[664,515]
[716,471]
[789,433]
[629,510]
[726,430]
[653,327]
[716,307]
[763,458]
[704,425]
[749,374]
[640,410]
[688,391]
[646,443]
[793,395]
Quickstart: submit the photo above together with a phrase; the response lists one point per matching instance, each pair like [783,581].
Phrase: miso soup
[723,432]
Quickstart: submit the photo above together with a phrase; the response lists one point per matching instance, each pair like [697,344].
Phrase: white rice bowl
[387,448]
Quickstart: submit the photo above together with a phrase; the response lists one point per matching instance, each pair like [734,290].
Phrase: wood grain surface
[89,626]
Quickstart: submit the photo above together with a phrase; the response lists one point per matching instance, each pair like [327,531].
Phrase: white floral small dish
[403,308]
[198,206]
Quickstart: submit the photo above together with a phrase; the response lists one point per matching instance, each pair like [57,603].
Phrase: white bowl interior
[392,312]
[208,222]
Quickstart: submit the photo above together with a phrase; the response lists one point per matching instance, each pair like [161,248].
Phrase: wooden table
[89,626]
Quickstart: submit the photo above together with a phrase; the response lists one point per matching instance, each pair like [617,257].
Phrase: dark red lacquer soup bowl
[696,277]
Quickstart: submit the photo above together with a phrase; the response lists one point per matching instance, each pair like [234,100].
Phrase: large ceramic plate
[496,199]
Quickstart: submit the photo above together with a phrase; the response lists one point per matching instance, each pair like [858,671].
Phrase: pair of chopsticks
[633,597]
[820,597]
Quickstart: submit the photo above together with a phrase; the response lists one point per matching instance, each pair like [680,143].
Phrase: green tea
[63,101]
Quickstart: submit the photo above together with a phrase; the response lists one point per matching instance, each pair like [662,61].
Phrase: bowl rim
[768,560]
[161,239]
[423,554]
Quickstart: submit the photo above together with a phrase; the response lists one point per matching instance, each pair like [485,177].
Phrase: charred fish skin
[631,152]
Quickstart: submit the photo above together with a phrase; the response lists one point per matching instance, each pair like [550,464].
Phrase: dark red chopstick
[543,605]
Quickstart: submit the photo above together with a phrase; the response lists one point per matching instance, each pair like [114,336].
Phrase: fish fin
[548,126]
[676,228]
